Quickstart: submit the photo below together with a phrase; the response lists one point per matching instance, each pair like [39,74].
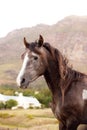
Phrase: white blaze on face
[34,54]
[84,94]
[22,71]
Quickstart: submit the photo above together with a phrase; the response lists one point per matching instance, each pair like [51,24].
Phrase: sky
[16,14]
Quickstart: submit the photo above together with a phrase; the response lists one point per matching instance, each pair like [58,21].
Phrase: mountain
[68,35]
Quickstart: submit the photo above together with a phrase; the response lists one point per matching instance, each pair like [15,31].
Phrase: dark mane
[66,72]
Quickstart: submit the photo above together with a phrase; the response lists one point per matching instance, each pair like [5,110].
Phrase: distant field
[8,72]
[31,119]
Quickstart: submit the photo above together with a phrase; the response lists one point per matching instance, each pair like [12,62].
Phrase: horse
[68,86]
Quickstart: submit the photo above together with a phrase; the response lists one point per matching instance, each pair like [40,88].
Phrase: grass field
[31,119]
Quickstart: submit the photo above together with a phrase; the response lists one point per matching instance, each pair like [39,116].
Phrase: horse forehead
[34,54]
[31,53]
[39,52]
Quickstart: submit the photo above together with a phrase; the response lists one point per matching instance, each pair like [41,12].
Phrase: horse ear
[26,43]
[40,41]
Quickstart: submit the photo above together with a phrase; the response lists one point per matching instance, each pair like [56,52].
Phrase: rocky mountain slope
[68,35]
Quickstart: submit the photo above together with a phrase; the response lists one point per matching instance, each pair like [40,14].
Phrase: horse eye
[35,57]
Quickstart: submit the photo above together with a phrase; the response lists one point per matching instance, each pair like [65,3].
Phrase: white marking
[84,94]
[34,54]
[21,73]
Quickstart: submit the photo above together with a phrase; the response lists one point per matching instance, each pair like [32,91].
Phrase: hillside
[68,35]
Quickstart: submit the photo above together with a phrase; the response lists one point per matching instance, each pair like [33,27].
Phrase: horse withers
[68,86]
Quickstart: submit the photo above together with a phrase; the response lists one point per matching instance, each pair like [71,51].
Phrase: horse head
[34,62]
[38,58]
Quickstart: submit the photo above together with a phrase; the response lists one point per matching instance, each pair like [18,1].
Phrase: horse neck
[54,80]
[52,77]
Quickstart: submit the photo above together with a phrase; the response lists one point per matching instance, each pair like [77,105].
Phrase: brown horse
[68,87]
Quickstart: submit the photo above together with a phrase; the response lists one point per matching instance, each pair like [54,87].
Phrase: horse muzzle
[22,83]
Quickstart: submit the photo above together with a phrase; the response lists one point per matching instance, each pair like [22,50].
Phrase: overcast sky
[16,14]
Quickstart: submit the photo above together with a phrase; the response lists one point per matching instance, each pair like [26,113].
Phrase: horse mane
[61,61]
[66,72]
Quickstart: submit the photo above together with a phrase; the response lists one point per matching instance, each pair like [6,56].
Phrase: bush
[5,115]
[44,97]
[28,92]
[11,103]
[30,116]
[2,105]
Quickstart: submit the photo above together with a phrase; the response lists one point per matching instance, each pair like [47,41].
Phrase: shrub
[11,103]
[5,115]
[28,92]
[44,97]
[2,105]
[30,116]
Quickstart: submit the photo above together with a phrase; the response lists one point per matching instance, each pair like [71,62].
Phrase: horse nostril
[22,81]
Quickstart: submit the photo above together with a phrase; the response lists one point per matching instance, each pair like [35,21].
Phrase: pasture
[31,119]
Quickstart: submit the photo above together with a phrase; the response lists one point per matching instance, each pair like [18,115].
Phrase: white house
[23,101]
